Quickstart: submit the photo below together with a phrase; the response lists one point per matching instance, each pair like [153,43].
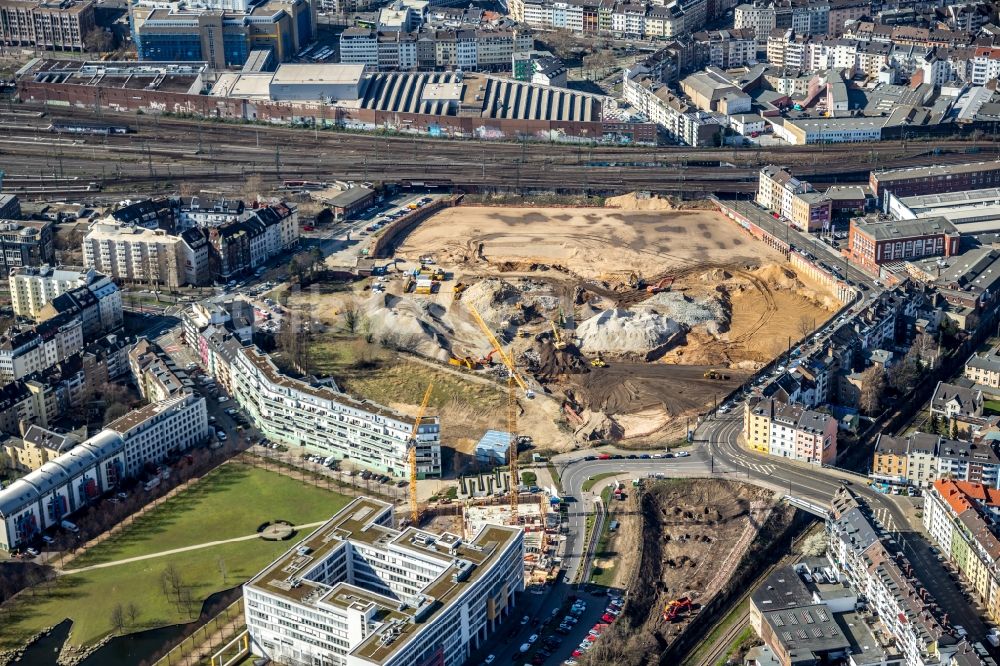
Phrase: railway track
[165,151]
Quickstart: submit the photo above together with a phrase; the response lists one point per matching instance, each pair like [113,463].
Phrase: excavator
[673,610]
[715,374]
[662,285]
[598,361]
[557,337]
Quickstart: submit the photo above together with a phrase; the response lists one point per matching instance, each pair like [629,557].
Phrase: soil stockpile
[626,332]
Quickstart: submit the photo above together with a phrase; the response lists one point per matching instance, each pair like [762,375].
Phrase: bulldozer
[598,362]
[673,610]
[715,374]
[630,278]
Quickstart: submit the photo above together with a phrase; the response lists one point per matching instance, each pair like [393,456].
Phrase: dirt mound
[553,363]
[504,303]
[687,310]
[627,332]
[778,277]
[636,201]
[406,323]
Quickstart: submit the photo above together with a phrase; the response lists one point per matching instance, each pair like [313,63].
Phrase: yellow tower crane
[414,508]
[507,359]
[515,479]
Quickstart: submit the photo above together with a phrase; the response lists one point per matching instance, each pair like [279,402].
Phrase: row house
[963,521]
[677,118]
[919,459]
[790,431]
[875,567]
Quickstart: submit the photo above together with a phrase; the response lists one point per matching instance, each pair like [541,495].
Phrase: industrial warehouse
[452,104]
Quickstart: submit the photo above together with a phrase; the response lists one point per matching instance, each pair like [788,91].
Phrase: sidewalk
[197,546]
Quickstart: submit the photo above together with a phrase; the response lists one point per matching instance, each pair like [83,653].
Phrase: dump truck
[464,362]
[715,374]
[459,288]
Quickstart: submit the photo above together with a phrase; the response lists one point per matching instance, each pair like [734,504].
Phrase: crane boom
[515,478]
[414,509]
[507,359]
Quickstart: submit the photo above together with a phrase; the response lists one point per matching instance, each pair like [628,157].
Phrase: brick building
[872,243]
[58,26]
[934,179]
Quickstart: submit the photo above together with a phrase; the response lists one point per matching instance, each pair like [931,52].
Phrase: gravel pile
[684,310]
[627,332]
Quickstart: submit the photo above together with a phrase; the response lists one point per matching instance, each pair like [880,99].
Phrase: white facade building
[357,592]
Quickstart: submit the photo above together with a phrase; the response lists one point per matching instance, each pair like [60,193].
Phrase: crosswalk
[759,467]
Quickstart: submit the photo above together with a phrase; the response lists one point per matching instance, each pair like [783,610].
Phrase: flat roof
[330,74]
[934,170]
[900,229]
[287,576]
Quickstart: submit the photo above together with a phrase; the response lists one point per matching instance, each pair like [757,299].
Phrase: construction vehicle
[458,289]
[507,359]
[414,508]
[673,610]
[715,374]
[432,272]
[465,362]
[598,362]
[662,285]
[630,278]
[557,338]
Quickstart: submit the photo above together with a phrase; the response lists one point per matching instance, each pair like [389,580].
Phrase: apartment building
[793,199]
[726,49]
[358,592]
[32,287]
[790,431]
[25,243]
[877,569]
[135,254]
[470,49]
[324,420]
[919,459]
[58,25]
[680,120]
[153,372]
[984,369]
[25,351]
[203,212]
[34,448]
[44,292]
[238,247]
[962,520]
[75,479]
[872,243]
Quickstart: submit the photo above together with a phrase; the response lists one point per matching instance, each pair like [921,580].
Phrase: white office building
[357,592]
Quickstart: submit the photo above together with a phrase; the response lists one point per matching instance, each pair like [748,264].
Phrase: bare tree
[172,582]
[805,326]
[132,612]
[98,40]
[352,315]
[118,619]
[222,569]
[872,390]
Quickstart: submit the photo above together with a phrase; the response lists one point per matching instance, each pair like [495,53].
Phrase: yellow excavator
[557,337]
[598,362]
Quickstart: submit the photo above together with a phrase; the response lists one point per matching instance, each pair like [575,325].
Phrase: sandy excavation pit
[731,308]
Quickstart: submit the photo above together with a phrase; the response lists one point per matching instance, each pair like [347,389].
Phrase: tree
[872,390]
[904,374]
[98,40]
[132,612]
[222,569]
[805,326]
[118,619]
[172,582]
[352,315]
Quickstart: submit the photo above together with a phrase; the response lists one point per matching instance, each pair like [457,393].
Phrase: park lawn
[231,501]
[597,478]
[992,406]
[88,597]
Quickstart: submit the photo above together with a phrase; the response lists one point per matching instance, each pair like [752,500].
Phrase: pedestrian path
[164,553]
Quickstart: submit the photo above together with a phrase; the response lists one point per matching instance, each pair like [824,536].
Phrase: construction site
[624,322]
[684,540]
